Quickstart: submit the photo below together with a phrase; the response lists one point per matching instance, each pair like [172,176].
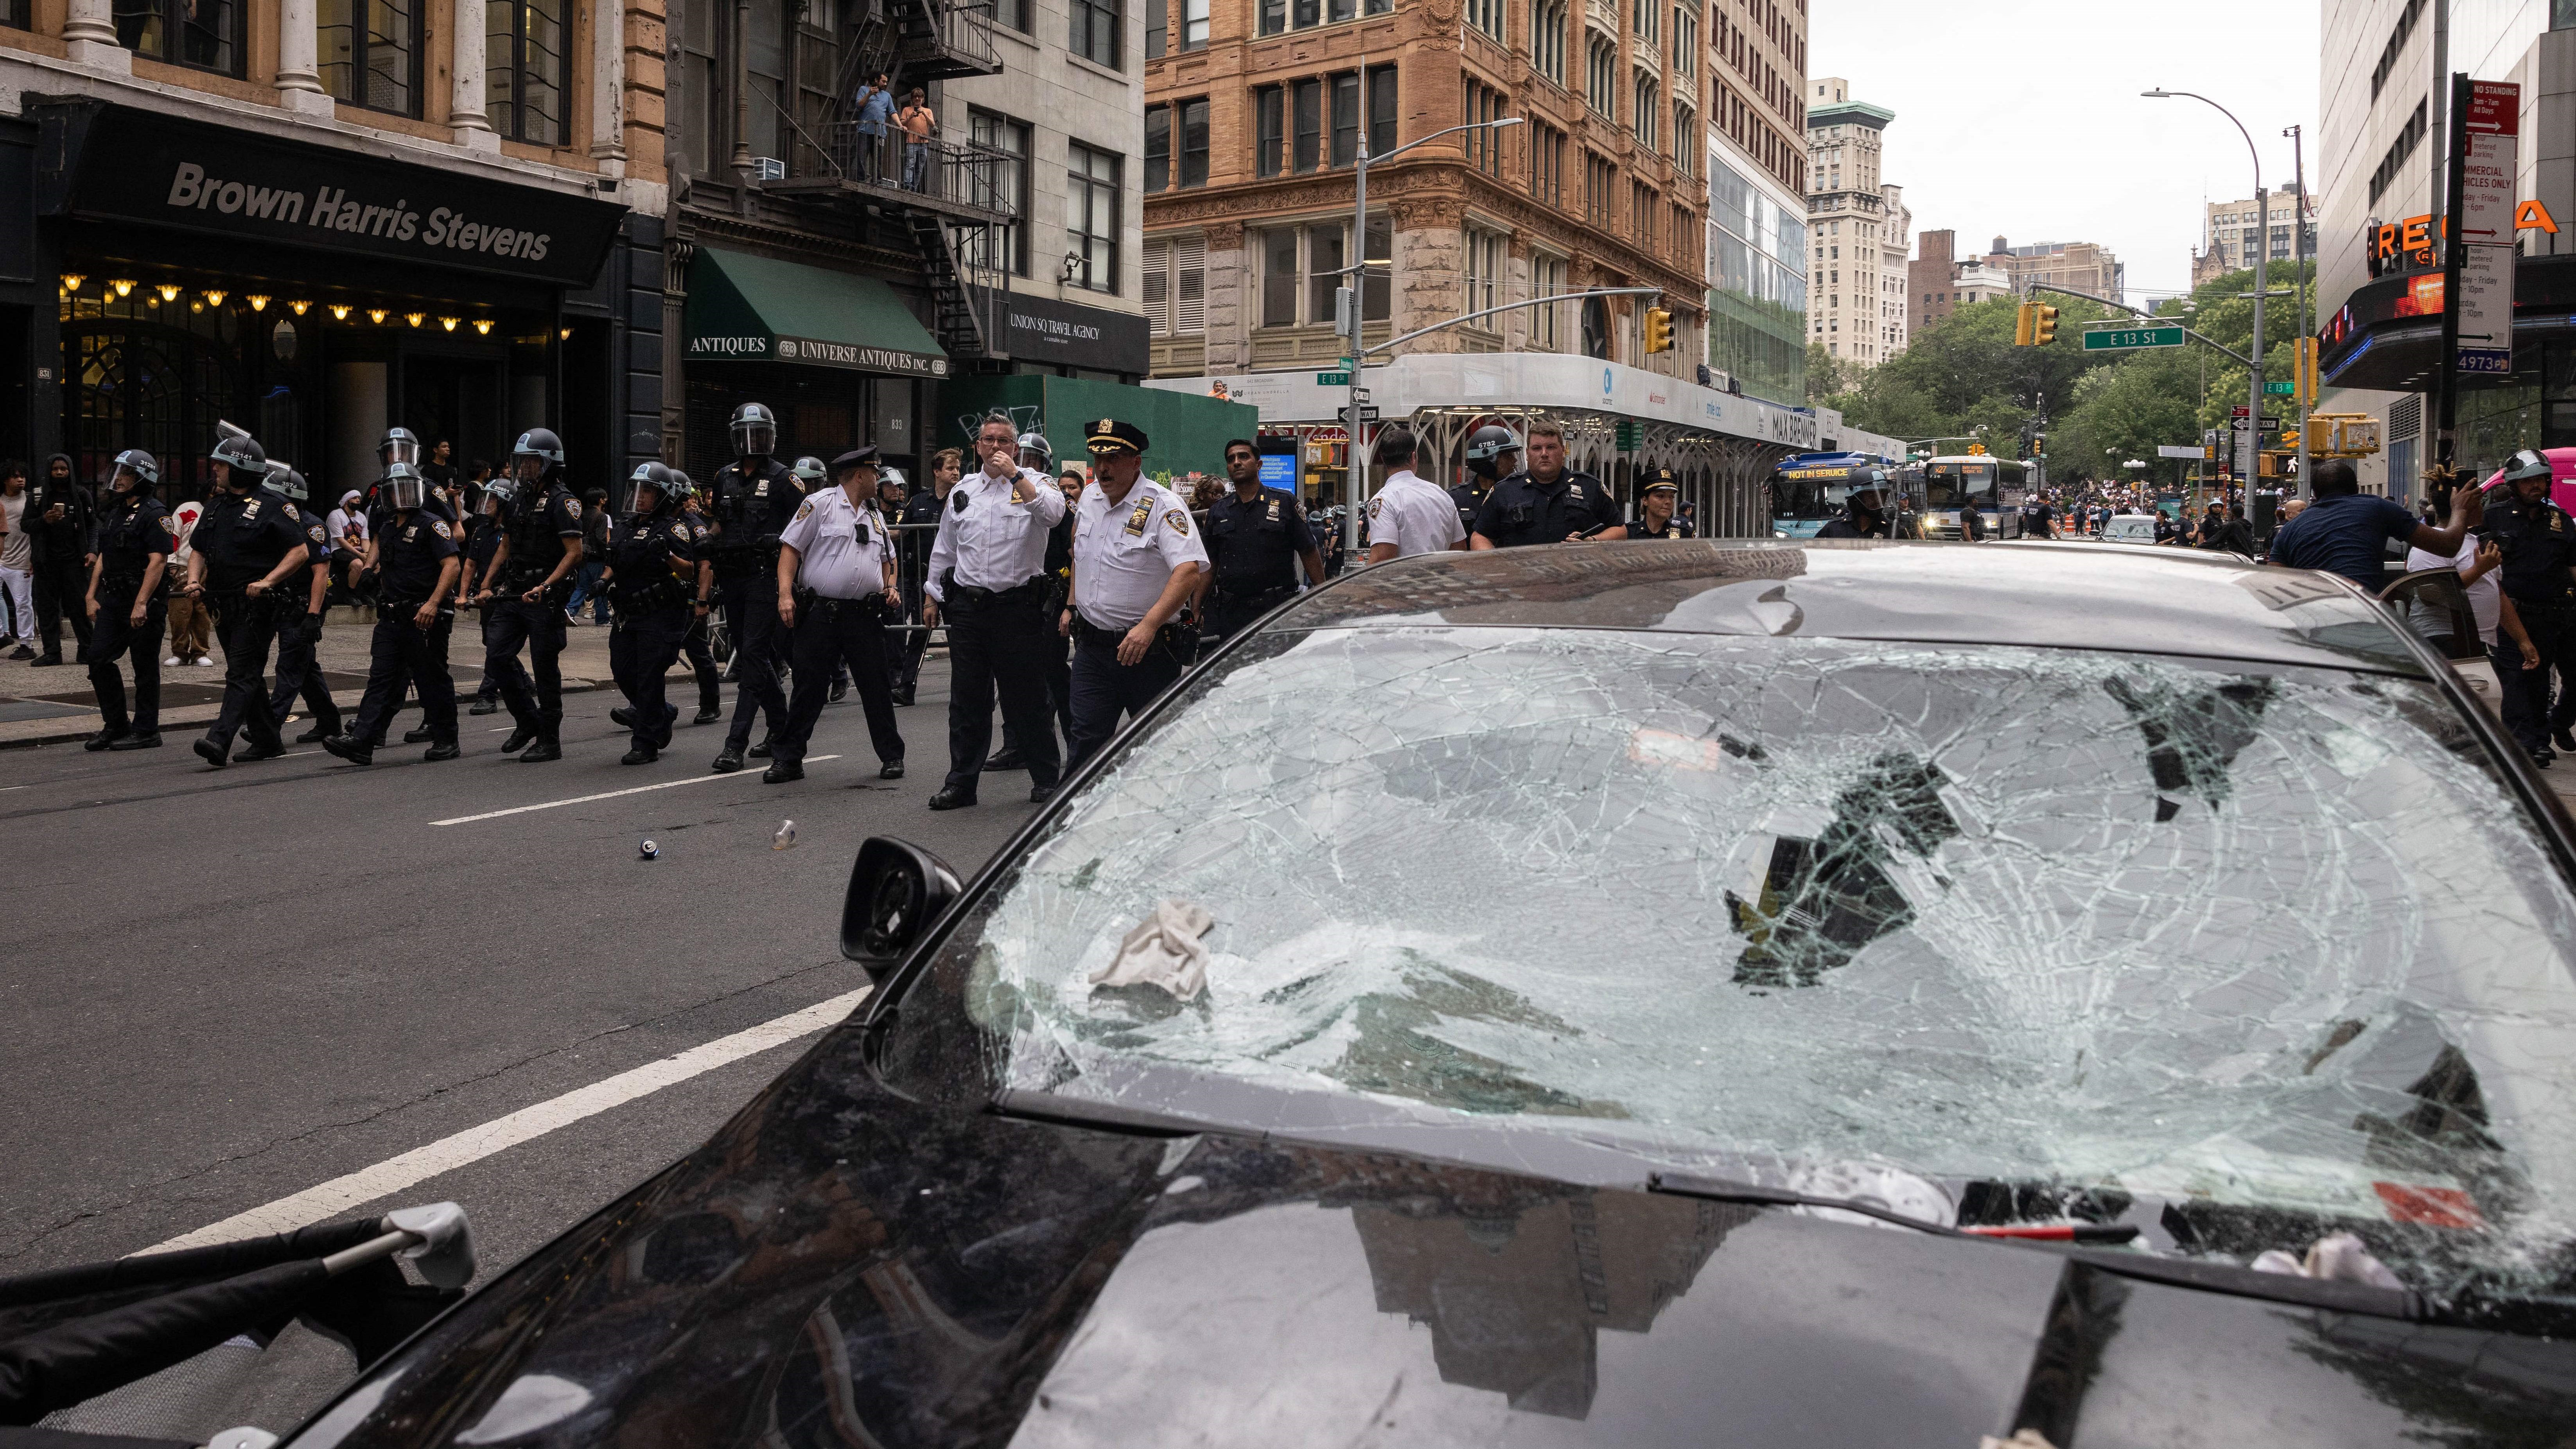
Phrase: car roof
[2045,595]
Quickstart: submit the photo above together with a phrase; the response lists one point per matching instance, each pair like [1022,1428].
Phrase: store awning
[744,308]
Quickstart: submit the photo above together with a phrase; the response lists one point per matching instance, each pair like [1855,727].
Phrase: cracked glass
[2273,945]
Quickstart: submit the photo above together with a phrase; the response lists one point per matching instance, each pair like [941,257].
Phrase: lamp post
[1356,464]
[2262,250]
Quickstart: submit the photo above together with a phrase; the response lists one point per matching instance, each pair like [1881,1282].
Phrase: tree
[1826,374]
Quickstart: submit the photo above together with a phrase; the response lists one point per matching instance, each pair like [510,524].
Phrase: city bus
[1995,487]
[1808,489]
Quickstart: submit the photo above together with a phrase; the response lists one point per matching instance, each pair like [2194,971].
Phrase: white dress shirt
[991,541]
[1412,513]
[1124,552]
[831,558]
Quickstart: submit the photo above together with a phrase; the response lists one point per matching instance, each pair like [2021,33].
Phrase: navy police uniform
[1253,547]
[649,556]
[920,520]
[59,554]
[532,533]
[299,636]
[411,552]
[1124,554]
[132,531]
[1854,525]
[242,537]
[2539,545]
[693,645]
[754,499]
[840,597]
[1521,510]
[1471,501]
[482,545]
[1661,480]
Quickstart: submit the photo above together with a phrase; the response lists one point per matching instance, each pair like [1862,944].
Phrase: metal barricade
[910,638]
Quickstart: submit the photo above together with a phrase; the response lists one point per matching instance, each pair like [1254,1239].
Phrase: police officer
[124,607]
[482,544]
[58,521]
[987,579]
[810,475]
[652,584]
[1136,563]
[1256,537]
[836,588]
[755,496]
[530,577]
[1865,513]
[1493,454]
[1546,502]
[417,568]
[920,528]
[695,648]
[300,635]
[2538,540]
[1655,518]
[247,543]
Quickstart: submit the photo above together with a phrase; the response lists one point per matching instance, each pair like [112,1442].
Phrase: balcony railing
[963,180]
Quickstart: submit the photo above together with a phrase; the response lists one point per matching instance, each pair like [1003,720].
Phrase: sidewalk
[54,706]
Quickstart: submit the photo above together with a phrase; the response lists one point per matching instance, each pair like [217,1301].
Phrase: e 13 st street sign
[2130,339]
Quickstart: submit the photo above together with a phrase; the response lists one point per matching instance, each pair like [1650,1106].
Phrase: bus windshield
[1957,485]
[1811,488]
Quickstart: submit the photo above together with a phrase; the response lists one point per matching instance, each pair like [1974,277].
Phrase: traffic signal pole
[2254,391]
[2303,391]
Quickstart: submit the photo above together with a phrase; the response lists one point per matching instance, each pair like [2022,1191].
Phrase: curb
[42,732]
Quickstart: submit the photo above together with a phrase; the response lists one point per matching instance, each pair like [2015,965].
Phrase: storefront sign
[117,163]
[1041,329]
[814,352]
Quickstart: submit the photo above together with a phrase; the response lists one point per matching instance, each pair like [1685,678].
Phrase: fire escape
[953,198]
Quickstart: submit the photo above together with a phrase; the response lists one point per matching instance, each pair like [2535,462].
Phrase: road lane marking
[330,1199]
[602,795]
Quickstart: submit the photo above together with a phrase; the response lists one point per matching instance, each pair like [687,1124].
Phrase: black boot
[315,735]
[485,706]
[210,752]
[549,741]
[623,716]
[640,755]
[149,740]
[761,751]
[421,736]
[709,714]
[355,751]
[519,737]
[443,750]
[103,740]
[728,761]
[782,771]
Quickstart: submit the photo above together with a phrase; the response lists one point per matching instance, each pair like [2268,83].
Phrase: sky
[2023,119]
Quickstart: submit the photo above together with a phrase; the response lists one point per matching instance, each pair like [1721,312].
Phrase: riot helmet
[405,486]
[498,494]
[755,431]
[2527,464]
[809,471]
[135,472]
[401,445]
[1034,452]
[245,465]
[653,478]
[1489,448]
[538,447]
[283,479]
[1869,494]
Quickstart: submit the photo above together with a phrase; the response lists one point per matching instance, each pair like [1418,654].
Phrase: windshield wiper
[2329,1293]
[1106,1116]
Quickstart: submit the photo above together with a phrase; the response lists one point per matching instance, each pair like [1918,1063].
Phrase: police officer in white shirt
[836,589]
[987,578]
[1136,562]
[1409,515]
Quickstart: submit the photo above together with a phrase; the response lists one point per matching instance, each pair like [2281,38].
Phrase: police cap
[1660,480]
[1108,438]
[866,457]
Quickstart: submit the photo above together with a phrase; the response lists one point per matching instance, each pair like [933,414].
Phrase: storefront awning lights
[414,318]
[258,301]
[215,296]
[123,287]
[447,323]
[376,315]
[72,281]
[196,306]
[482,326]
[299,305]
[339,311]
[169,291]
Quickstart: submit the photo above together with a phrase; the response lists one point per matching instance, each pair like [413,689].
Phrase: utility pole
[2262,250]
[2307,332]
[2446,412]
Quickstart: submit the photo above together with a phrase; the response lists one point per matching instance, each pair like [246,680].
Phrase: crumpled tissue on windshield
[2339,1256]
[1164,950]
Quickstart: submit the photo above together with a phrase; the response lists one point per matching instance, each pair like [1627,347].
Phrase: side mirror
[896,890]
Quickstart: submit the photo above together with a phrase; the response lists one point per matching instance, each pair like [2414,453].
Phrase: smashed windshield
[2129,925]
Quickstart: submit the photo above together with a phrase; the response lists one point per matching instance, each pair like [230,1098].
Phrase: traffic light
[1659,330]
[2043,324]
[2303,370]
[2021,325]
[2039,445]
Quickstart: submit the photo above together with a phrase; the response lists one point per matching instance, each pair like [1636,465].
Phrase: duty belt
[1017,593]
[866,606]
[662,593]
[1173,638]
[1255,599]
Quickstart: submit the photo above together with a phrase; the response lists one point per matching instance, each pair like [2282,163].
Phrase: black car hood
[840,1266]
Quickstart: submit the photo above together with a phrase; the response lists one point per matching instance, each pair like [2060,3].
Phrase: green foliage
[1963,372]
[1826,374]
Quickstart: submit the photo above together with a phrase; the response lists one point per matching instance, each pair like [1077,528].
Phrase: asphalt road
[220,988]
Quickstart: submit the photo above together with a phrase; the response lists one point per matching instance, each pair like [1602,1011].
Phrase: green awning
[744,308]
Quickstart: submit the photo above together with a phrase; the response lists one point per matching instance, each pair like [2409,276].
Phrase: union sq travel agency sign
[115,163]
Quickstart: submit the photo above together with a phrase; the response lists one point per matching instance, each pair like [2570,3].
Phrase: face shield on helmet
[1034,452]
[647,490]
[497,495]
[405,486]
[1869,495]
[135,470]
[402,446]
[810,472]
[755,431]
[2526,465]
[1493,453]
[537,453]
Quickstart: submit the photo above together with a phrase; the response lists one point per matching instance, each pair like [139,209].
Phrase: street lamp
[1355,464]
[2262,250]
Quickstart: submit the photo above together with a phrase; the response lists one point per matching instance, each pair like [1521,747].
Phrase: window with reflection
[369,52]
[203,34]
[523,75]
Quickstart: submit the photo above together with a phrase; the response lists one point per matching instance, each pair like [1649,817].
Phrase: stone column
[299,80]
[89,37]
[467,126]
[608,85]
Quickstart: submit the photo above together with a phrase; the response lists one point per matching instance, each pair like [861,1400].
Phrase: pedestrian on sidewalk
[17,565]
[59,515]
[190,625]
[124,604]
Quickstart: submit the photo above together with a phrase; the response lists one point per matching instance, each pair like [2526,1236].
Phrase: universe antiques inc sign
[113,162]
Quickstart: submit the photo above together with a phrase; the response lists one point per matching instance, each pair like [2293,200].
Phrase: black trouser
[61,585]
[246,627]
[402,652]
[997,645]
[298,672]
[702,662]
[507,667]
[1231,611]
[751,612]
[2525,702]
[1105,691]
[641,649]
[541,627]
[1057,656]
[829,632]
[117,640]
